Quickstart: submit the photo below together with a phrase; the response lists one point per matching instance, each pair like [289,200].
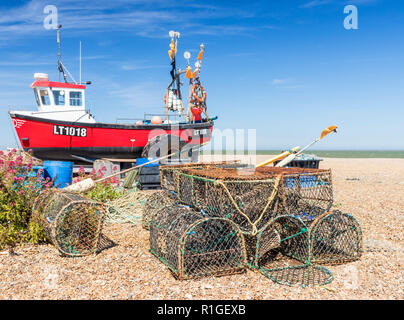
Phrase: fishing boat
[63,129]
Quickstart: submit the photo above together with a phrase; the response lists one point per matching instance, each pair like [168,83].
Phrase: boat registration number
[70,131]
[200,132]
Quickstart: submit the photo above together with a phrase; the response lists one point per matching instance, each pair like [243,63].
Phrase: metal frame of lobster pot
[194,246]
[72,223]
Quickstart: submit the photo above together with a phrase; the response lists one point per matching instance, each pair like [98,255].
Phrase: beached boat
[62,129]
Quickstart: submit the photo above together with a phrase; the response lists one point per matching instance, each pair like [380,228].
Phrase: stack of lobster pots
[273,220]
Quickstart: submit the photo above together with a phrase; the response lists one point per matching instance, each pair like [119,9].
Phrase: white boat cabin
[59,101]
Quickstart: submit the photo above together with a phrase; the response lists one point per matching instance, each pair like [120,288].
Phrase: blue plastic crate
[304,182]
[140,161]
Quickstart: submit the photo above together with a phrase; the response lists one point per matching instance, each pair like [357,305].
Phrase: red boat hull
[62,140]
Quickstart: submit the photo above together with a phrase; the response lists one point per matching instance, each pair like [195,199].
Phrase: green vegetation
[19,186]
[104,191]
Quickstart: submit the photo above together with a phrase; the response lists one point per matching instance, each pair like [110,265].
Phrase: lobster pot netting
[169,174]
[262,247]
[294,237]
[307,195]
[254,197]
[289,264]
[335,238]
[153,204]
[285,235]
[72,223]
[194,246]
[247,201]
[302,275]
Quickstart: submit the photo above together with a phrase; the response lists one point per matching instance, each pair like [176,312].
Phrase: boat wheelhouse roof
[51,84]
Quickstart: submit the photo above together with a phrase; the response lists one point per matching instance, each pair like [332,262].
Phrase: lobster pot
[194,246]
[261,247]
[335,238]
[306,194]
[72,223]
[153,204]
[286,235]
[294,237]
[169,174]
[236,194]
[254,197]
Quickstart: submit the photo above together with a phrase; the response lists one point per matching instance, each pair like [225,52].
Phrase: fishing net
[153,204]
[335,238]
[72,223]
[194,246]
[127,208]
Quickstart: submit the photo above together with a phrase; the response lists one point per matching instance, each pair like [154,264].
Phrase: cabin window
[75,99]
[59,96]
[44,97]
[36,97]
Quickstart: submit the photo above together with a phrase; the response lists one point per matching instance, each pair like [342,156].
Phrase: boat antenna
[61,66]
[80,64]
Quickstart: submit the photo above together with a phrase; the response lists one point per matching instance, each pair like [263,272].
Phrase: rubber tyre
[163,145]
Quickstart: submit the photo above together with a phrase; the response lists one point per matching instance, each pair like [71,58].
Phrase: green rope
[303,230]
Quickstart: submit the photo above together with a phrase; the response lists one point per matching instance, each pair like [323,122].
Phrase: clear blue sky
[286,68]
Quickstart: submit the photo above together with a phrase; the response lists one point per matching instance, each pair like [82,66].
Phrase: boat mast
[80,64]
[175,74]
[61,66]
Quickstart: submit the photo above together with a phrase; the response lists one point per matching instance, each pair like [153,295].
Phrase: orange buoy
[195,96]
[156,120]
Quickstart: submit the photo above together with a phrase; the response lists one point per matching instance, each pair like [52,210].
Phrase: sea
[398,154]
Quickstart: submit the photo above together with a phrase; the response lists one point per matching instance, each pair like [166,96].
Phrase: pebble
[129,270]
